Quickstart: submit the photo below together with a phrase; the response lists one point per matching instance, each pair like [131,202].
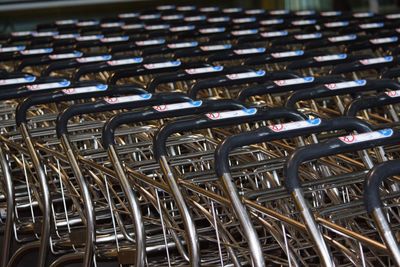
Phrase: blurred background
[16,15]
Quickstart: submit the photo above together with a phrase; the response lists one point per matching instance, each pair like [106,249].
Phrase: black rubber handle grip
[360,66]
[105,66]
[265,134]
[328,148]
[277,87]
[363,103]
[203,122]
[152,114]
[189,74]
[103,105]
[143,70]
[75,63]
[226,81]
[60,96]
[329,90]
[37,88]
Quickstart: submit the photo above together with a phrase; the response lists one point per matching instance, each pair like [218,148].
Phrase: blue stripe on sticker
[30,78]
[146,96]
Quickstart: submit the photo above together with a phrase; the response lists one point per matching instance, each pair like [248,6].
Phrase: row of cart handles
[145,104]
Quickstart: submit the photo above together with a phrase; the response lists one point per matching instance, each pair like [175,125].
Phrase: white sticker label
[254,11]
[66,36]
[45,86]
[244,20]
[128,15]
[304,22]
[195,18]
[393,16]
[330,57]
[282,127]
[150,42]
[172,17]
[114,39]
[393,93]
[249,51]
[182,45]
[111,24]
[168,64]
[66,22]
[165,7]
[204,70]
[372,25]
[279,12]
[331,13]
[218,19]
[294,81]
[186,8]
[363,15]
[271,21]
[182,28]
[273,34]
[308,36]
[94,59]
[87,23]
[288,54]
[377,60]
[232,10]
[157,27]
[231,114]
[26,79]
[357,138]
[125,61]
[244,32]
[37,51]
[305,13]
[342,38]
[336,24]
[87,89]
[11,49]
[178,106]
[384,40]
[74,54]
[125,99]
[209,9]
[89,37]
[132,26]
[150,16]
[343,85]
[246,75]
[215,47]
[19,34]
[44,34]
[212,30]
